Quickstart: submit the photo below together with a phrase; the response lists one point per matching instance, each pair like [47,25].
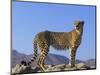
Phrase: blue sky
[30,18]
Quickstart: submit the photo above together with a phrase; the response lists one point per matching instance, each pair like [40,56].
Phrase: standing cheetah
[59,40]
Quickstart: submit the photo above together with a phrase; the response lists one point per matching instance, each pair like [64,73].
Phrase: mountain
[91,62]
[17,57]
[50,59]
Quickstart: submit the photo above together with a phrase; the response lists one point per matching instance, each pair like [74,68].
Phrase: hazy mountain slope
[90,62]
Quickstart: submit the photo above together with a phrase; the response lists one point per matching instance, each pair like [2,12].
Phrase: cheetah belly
[59,45]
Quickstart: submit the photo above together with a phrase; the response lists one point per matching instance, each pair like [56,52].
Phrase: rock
[20,69]
[92,67]
[69,69]
[55,68]
[81,66]
[16,69]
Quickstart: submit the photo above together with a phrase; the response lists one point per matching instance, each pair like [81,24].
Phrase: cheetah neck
[78,32]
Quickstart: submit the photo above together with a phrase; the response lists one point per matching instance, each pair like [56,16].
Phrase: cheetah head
[79,26]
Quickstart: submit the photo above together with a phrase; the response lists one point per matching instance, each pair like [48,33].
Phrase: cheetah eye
[77,27]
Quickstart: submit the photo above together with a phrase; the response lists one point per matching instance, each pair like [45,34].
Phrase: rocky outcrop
[20,69]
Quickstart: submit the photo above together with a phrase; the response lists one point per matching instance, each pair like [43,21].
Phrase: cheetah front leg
[72,56]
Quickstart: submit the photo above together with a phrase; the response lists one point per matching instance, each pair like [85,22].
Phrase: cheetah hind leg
[44,51]
[41,63]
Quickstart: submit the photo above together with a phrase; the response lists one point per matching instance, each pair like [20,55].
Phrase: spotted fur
[60,41]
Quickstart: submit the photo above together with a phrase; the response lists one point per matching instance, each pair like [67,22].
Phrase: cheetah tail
[35,51]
